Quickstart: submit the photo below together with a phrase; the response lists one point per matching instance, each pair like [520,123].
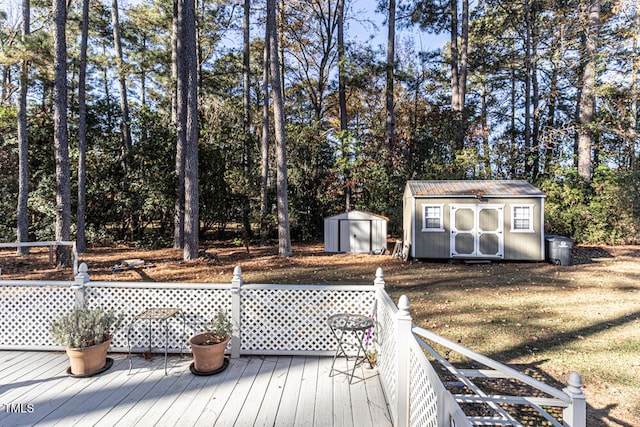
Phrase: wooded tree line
[187,119]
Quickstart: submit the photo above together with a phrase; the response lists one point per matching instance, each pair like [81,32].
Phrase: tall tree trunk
[179,119]
[264,208]
[535,129]
[389,92]
[174,63]
[281,43]
[60,135]
[577,114]
[550,149]
[412,152]
[342,101]
[527,92]
[122,82]
[81,240]
[143,75]
[23,141]
[464,60]
[190,73]
[246,101]
[107,91]
[199,48]
[485,130]
[633,137]
[512,133]
[587,107]
[284,237]
[6,77]
[455,72]
[459,66]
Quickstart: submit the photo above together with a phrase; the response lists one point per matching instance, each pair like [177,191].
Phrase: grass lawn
[544,320]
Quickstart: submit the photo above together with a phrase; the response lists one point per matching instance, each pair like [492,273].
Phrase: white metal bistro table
[349,331]
[160,314]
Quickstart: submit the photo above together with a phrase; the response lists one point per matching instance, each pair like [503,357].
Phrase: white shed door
[355,236]
[477,231]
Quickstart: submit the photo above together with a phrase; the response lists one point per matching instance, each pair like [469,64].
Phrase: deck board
[252,391]
[229,409]
[121,387]
[307,398]
[68,412]
[289,401]
[323,412]
[191,402]
[273,395]
[360,401]
[342,400]
[257,396]
[166,399]
[217,398]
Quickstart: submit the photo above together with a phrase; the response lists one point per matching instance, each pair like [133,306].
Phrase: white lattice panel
[274,318]
[387,357]
[198,306]
[289,320]
[424,411]
[28,311]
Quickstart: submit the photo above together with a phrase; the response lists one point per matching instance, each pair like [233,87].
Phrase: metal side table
[343,327]
[159,314]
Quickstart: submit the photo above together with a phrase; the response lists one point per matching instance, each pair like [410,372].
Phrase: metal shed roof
[484,188]
[356,214]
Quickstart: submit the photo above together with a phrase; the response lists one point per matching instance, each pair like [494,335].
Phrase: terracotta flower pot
[207,357]
[88,360]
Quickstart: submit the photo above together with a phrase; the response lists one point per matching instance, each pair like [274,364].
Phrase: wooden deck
[262,391]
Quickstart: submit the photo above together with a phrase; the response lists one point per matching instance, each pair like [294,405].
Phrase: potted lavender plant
[86,335]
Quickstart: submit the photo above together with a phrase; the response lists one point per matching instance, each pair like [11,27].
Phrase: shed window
[522,216]
[433,215]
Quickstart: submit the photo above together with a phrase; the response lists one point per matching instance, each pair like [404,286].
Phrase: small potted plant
[208,347]
[86,335]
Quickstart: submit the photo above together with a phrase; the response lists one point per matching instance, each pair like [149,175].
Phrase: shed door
[355,235]
[476,231]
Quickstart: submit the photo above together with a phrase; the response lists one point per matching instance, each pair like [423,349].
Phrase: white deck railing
[285,319]
[570,399]
[421,398]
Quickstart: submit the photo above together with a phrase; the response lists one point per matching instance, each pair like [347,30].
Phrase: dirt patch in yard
[543,319]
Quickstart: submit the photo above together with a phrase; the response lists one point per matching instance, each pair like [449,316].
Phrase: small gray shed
[474,219]
[355,231]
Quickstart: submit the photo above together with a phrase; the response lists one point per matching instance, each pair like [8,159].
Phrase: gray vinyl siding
[517,245]
[407,217]
[524,246]
[432,244]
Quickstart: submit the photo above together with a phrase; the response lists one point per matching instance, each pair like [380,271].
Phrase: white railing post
[403,323]
[379,284]
[75,259]
[82,278]
[236,311]
[379,280]
[575,415]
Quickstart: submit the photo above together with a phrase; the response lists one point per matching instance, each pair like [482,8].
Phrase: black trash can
[558,249]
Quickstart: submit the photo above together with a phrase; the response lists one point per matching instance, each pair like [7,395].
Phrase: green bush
[605,211]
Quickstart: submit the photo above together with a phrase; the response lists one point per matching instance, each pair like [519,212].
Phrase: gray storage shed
[474,220]
[355,231]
